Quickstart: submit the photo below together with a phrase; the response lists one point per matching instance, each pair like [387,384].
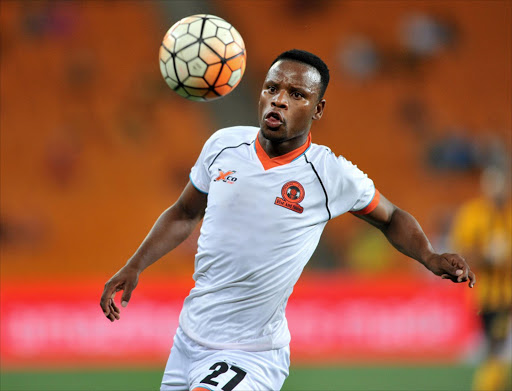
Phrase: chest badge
[226,176]
[292,194]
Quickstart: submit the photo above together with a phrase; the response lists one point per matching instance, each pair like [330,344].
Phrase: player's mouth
[274,119]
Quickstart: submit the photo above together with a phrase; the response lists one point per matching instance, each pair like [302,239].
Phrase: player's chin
[277,134]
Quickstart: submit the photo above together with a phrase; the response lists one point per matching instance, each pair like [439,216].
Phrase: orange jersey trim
[201,389]
[269,162]
[371,206]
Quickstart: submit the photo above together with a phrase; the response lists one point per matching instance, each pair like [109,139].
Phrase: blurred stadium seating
[94,146]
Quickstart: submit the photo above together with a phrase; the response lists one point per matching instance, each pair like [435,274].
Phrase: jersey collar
[269,162]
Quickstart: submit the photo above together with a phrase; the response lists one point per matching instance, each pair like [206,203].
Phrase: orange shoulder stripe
[371,206]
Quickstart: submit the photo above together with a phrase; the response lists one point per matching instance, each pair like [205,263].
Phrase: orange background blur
[94,145]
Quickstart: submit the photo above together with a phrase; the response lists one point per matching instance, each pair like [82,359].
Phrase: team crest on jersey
[226,177]
[292,194]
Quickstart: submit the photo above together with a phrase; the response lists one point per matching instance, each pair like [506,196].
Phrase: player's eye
[272,89]
[297,95]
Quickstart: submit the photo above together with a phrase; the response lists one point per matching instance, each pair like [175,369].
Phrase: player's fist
[452,267]
[125,279]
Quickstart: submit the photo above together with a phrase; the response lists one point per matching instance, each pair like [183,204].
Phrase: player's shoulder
[316,151]
[322,155]
[326,160]
[232,136]
[478,206]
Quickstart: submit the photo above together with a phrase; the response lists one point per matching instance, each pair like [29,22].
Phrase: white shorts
[192,365]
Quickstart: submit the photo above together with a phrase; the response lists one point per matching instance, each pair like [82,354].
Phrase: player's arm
[172,227]
[404,232]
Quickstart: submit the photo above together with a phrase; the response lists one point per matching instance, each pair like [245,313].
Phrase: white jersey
[263,221]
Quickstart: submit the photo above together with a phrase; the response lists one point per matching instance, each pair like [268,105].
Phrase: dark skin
[290,95]
[290,90]
[173,226]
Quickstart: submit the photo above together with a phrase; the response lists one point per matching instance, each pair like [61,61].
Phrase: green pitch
[414,378]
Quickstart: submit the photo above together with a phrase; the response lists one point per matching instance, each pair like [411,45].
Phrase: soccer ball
[202,57]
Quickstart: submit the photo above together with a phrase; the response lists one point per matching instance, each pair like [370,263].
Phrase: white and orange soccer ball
[202,57]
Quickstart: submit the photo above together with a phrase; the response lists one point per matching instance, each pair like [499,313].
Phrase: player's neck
[276,149]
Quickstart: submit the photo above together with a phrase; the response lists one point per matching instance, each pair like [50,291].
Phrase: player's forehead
[294,73]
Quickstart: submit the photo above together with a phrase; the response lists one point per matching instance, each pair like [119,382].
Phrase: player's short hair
[309,59]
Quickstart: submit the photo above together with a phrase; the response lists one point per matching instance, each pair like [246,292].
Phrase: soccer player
[482,227]
[265,195]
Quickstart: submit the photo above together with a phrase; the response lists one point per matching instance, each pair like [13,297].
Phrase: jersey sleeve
[199,174]
[468,226]
[351,189]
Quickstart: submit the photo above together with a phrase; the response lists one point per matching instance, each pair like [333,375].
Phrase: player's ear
[319,110]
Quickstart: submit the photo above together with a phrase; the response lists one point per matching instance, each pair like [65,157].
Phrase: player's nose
[280,100]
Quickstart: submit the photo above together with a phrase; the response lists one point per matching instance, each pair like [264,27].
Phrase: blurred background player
[482,229]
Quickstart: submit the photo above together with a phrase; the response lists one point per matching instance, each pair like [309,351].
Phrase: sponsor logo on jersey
[226,177]
[292,194]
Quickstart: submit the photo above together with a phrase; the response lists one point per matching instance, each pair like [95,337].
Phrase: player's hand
[452,267]
[125,280]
